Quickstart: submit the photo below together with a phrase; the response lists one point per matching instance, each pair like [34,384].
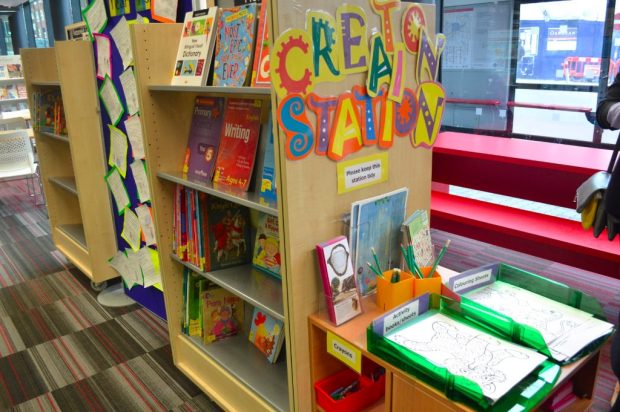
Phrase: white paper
[104,64]
[142,183]
[496,365]
[124,266]
[133,126]
[134,267]
[131,230]
[111,101]
[165,8]
[150,271]
[130,90]
[118,150]
[561,326]
[117,187]
[146,222]
[96,16]
[122,39]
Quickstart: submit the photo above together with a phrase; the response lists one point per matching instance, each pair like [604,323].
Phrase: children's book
[195,51]
[267,245]
[379,220]
[194,326]
[416,230]
[260,68]
[240,136]
[235,43]
[267,334]
[223,314]
[268,188]
[204,138]
[339,284]
[229,237]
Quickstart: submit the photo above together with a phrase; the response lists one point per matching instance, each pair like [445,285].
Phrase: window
[39,26]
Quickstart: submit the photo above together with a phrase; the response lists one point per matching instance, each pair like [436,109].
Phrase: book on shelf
[260,67]
[194,284]
[195,50]
[204,138]
[14,70]
[267,334]
[238,144]
[49,115]
[236,31]
[21,91]
[266,166]
[266,255]
[339,281]
[223,314]
[416,231]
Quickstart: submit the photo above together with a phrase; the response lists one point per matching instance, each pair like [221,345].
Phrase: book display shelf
[73,165]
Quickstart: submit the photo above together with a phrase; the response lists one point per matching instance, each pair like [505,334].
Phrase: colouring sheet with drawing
[496,365]
[566,330]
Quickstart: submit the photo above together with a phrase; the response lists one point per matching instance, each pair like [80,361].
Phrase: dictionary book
[204,138]
[240,136]
[196,47]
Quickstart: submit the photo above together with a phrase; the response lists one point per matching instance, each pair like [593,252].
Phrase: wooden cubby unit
[73,166]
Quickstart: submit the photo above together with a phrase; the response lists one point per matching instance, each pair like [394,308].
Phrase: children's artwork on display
[164,10]
[122,40]
[95,16]
[339,283]
[111,100]
[103,51]
[378,226]
[143,5]
[235,43]
[118,7]
[566,330]
[494,364]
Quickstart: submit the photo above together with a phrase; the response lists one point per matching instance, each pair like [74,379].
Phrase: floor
[61,351]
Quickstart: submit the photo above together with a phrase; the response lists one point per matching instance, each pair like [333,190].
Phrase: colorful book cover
[267,334]
[194,325]
[267,245]
[228,234]
[378,226]
[417,231]
[223,314]
[204,137]
[268,189]
[260,68]
[339,284]
[235,43]
[195,51]
[240,135]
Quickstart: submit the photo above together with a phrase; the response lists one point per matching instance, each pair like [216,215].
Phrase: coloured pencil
[441,253]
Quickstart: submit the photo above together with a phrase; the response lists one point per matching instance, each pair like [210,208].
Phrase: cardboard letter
[296,126]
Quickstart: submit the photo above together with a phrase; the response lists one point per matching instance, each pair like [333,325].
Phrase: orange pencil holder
[390,295]
[426,284]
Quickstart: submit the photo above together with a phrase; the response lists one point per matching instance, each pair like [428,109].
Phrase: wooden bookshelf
[73,166]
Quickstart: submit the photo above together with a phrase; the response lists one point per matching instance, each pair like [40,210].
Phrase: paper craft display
[375,224]
[118,189]
[130,90]
[566,330]
[104,55]
[149,264]
[494,364]
[131,230]
[129,272]
[118,150]
[146,223]
[111,100]
[138,170]
[339,281]
[95,16]
[122,40]
[164,10]
[133,126]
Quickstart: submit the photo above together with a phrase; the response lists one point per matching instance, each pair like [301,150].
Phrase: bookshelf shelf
[67,183]
[78,201]
[75,232]
[253,286]
[61,137]
[212,90]
[248,199]
[239,357]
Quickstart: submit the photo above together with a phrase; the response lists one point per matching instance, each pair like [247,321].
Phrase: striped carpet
[62,351]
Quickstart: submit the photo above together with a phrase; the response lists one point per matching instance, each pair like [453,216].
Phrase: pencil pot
[367,392]
[426,284]
[390,295]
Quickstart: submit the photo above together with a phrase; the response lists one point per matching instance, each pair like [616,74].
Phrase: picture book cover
[195,51]
[378,226]
[235,43]
[339,284]
[229,234]
[267,245]
[416,230]
[267,334]
[194,326]
[240,136]
[268,189]
[204,137]
[223,314]
[260,68]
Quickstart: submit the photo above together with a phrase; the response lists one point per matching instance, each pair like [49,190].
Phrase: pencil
[374,270]
[441,253]
[374,255]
